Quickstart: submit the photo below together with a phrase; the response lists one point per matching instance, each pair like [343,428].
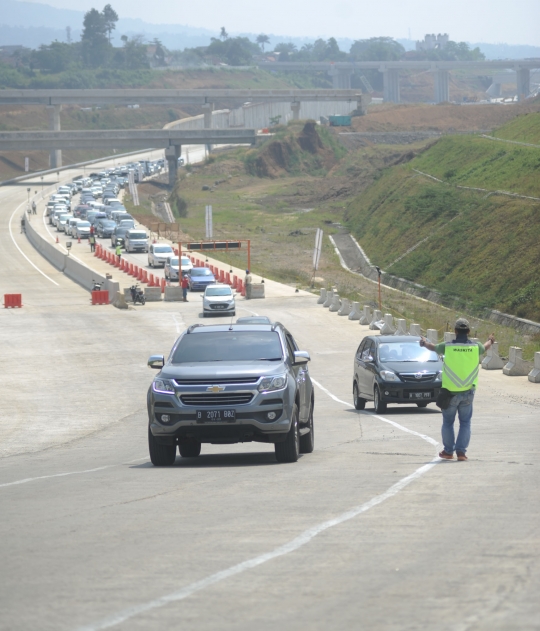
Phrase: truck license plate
[419,395]
[216,416]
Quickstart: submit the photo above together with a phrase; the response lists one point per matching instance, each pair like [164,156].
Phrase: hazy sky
[494,21]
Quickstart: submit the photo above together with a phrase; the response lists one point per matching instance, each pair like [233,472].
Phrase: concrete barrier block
[415,329]
[432,335]
[355,313]
[534,375]
[119,301]
[127,295]
[367,315]
[322,297]
[335,305]
[329,298]
[173,294]
[401,327]
[492,360]
[376,320]
[516,365]
[152,294]
[345,308]
[449,337]
[388,326]
[254,291]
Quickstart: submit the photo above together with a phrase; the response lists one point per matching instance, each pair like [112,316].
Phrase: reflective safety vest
[461,367]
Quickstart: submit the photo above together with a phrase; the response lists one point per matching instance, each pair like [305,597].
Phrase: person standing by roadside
[459,380]
[248,278]
[184,284]
[92,242]
[118,251]
[34,208]
[92,229]
[23,224]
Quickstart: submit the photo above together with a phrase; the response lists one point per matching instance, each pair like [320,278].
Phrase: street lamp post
[379,273]
[28,202]
[42,187]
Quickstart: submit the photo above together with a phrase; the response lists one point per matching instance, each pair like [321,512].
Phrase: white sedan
[217,300]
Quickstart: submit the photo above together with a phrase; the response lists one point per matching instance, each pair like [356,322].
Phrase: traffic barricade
[100,297]
[234,284]
[12,301]
[163,283]
[144,276]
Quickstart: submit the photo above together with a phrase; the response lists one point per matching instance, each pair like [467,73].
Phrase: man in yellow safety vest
[459,378]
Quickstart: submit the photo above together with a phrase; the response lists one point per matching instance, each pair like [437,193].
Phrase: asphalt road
[371,531]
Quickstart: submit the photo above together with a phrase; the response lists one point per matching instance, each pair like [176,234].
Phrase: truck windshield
[228,346]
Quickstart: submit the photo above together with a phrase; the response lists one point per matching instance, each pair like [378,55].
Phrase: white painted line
[18,248]
[55,475]
[61,475]
[291,546]
[428,439]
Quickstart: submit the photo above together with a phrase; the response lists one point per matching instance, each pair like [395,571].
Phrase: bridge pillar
[523,80]
[391,85]
[442,86]
[207,109]
[341,79]
[172,154]
[55,156]
[295,107]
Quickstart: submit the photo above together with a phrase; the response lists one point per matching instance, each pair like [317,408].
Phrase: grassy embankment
[481,248]
[280,212]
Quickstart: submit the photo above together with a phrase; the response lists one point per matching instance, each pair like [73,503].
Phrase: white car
[62,221]
[158,253]
[218,299]
[71,225]
[82,230]
[186,264]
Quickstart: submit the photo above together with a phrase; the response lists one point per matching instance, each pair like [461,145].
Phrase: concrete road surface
[370,531]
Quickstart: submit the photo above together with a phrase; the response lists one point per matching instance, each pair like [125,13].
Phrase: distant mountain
[32,24]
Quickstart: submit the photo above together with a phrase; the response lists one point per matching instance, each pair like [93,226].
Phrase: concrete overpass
[169,139]
[54,99]
[342,71]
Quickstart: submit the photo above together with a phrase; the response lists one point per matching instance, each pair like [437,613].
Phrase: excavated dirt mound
[298,153]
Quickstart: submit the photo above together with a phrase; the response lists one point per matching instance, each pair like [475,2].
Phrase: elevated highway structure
[342,71]
[169,139]
[205,98]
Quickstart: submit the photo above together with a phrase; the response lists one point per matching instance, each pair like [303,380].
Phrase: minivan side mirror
[156,361]
[301,358]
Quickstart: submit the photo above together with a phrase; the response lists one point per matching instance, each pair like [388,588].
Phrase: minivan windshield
[161,249]
[137,235]
[227,346]
[406,352]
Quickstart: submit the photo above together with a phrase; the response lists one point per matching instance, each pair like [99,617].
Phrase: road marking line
[61,475]
[291,546]
[430,440]
[18,248]
[56,475]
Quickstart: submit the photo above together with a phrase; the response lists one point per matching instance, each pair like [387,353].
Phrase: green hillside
[484,249]
[525,128]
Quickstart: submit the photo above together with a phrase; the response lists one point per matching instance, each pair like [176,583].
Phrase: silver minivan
[136,241]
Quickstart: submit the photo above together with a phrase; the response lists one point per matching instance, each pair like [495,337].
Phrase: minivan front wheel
[379,406]
[289,449]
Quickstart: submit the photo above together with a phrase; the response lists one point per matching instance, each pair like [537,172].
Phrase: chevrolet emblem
[215,389]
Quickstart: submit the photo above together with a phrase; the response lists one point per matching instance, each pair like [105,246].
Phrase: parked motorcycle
[96,286]
[137,295]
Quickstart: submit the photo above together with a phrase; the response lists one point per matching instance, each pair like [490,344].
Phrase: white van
[136,240]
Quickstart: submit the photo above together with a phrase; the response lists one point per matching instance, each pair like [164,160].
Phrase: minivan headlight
[388,375]
[273,383]
[438,376]
[163,386]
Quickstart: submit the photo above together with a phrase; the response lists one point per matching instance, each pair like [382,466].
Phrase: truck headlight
[163,386]
[272,383]
[388,375]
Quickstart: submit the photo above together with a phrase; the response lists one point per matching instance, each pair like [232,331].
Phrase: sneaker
[461,456]
[446,456]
